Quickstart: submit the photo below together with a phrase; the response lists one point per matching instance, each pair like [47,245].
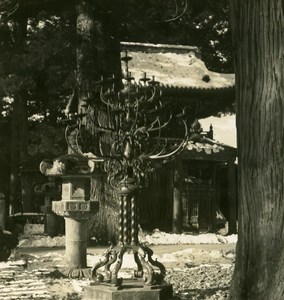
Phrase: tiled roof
[197,91]
[175,67]
[204,147]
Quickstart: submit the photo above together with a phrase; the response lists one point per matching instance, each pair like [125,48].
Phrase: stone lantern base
[129,290]
[76,213]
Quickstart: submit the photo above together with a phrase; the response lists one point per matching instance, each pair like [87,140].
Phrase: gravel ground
[201,282]
[199,272]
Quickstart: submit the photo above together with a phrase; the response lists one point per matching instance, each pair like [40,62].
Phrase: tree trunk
[86,67]
[259,43]
[14,163]
[107,46]
[19,126]
[98,53]
[23,130]
[232,216]
[19,156]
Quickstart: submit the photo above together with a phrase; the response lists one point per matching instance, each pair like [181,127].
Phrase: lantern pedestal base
[72,273]
[145,266]
[129,290]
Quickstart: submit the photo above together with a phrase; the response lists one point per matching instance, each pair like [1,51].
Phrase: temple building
[196,192]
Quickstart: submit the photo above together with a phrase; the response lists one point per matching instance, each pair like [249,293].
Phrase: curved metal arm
[176,16]
[157,145]
[136,115]
[153,94]
[165,124]
[176,151]
[98,127]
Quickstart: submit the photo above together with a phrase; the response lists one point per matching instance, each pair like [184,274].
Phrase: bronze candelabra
[125,130]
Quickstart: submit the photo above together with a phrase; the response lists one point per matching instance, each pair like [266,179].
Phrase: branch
[30,8]
[7,9]
[176,16]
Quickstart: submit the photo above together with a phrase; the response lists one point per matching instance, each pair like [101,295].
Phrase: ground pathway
[16,282]
[196,272]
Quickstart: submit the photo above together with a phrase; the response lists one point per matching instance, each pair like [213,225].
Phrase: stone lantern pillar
[75,206]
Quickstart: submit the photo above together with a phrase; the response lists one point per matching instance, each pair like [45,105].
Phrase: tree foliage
[37,75]
[43,69]
[201,23]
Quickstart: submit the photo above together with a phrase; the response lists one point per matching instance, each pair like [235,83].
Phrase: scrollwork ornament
[115,171]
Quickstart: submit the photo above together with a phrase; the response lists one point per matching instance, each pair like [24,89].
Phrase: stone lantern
[75,206]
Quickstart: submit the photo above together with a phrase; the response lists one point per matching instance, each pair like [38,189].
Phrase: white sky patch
[222,30]
[36,117]
[224,128]
[213,43]
[9,100]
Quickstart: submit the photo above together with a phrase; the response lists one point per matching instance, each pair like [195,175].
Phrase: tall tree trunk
[98,53]
[23,129]
[107,45]
[14,162]
[19,126]
[258,33]
[86,64]
[19,155]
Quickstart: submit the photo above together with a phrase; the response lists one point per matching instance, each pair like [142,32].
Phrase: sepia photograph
[142,150]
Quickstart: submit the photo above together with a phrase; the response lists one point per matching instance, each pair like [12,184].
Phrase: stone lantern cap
[75,172]
[67,165]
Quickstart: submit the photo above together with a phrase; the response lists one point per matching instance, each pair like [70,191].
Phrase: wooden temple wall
[155,201]
[173,203]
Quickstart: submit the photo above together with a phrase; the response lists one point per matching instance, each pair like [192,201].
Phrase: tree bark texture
[19,154]
[98,53]
[19,127]
[14,163]
[258,33]
[232,198]
[103,224]
[107,43]
[86,66]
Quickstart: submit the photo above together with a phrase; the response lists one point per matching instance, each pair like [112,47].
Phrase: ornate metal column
[128,242]
[126,130]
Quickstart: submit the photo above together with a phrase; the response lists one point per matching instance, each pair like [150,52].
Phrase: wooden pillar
[26,193]
[232,198]
[212,198]
[177,196]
